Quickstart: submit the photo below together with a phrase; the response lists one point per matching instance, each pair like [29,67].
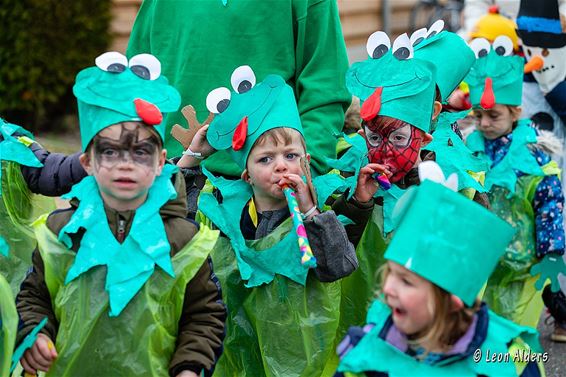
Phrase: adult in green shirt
[200,43]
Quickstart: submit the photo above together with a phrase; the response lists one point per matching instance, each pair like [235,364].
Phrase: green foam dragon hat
[243,115]
[497,75]
[449,54]
[448,239]
[392,83]
[117,90]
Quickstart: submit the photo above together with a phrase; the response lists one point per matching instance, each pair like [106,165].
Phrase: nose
[389,287]
[485,121]
[280,165]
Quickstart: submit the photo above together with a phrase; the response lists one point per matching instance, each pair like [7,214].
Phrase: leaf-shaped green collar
[131,263]
[16,149]
[519,157]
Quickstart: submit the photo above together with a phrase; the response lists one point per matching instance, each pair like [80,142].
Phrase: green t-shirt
[200,43]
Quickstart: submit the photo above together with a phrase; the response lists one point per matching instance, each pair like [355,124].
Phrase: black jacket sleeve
[58,174]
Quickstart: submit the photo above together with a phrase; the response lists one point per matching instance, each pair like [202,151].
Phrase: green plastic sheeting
[8,326]
[151,318]
[280,329]
[19,207]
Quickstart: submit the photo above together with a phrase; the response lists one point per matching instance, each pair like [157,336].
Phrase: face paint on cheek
[399,160]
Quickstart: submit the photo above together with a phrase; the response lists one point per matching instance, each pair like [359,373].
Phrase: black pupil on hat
[141,71]
[379,51]
[482,53]
[402,53]
[419,40]
[432,34]
[223,105]
[116,68]
[500,50]
[244,86]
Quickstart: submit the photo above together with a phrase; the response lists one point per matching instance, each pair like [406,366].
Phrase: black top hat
[539,25]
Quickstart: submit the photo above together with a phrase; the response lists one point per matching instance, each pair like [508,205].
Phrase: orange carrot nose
[372,105]
[239,138]
[535,64]
[488,97]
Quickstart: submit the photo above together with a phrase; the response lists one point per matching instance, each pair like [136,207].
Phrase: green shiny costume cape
[8,326]
[88,339]
[375,354]
[19,207]
[281,328]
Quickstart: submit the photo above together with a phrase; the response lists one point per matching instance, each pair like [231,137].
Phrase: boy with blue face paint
[123,263]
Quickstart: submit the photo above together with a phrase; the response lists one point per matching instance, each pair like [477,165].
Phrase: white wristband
[309,212]
[196,155]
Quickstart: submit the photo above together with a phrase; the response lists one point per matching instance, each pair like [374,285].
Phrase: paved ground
[556,365]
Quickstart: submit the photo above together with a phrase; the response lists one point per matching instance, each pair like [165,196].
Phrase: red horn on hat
[239,138]
[488,97]
[148,112]
[371,105]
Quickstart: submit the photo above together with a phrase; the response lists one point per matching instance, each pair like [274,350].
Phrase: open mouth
[124,181]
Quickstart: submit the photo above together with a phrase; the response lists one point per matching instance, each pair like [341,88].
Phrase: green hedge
[43,44]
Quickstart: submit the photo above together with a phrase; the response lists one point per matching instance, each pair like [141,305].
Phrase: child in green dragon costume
[428,321]
[283,313]
[398,85]
[523,183]
[122,277]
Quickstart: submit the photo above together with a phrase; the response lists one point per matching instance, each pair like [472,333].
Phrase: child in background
[398,85]
[122,276]
[428,321]
[282,317]
[523,183]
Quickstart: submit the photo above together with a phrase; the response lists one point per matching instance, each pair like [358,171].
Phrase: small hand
[367,186]
[40,356]
[549,268]
[199,144]
[303,194]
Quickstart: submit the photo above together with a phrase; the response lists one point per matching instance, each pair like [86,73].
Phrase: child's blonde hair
[448,325]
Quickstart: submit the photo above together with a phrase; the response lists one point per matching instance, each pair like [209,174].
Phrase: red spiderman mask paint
[393,143]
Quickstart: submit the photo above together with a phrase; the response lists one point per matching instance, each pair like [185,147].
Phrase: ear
[515,112]
[308,156]
[245,176]
[161,162]
[85,161]
[361,132]
[427,138]
[437,108]
[457,303]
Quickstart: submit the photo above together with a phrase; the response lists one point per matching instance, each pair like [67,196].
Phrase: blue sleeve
[557,100]
[548,204]
[531,370]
